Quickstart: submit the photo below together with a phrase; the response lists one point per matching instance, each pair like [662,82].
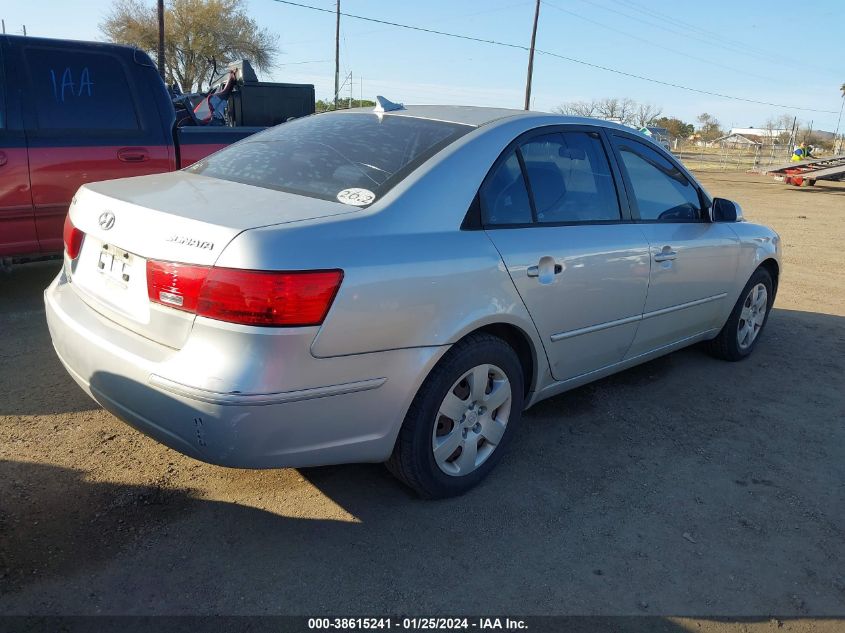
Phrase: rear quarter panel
[399,290]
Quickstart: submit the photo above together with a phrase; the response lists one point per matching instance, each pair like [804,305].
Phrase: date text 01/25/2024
[415,624]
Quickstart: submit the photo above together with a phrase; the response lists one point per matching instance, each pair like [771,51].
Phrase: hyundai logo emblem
[106,220]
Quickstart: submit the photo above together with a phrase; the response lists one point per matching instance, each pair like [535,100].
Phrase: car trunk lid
[178,217]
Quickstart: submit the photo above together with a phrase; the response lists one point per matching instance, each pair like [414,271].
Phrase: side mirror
[724,210]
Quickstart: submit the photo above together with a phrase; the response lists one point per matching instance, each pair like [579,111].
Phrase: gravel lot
[684,486]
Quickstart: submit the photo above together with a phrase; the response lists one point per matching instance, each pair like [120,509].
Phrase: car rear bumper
[226,398]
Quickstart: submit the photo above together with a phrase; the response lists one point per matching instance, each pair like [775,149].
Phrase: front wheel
[744,326]
[461,419]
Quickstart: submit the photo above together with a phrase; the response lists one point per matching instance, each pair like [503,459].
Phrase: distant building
[758,131]
[735,139]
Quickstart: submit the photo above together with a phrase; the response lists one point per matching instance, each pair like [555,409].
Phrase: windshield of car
[354,158]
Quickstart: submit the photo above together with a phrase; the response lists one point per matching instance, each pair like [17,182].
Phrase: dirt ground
[686,486]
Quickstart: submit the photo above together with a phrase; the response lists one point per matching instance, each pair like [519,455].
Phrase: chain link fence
[730,156]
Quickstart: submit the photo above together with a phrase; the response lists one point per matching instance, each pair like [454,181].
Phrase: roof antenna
[385,105]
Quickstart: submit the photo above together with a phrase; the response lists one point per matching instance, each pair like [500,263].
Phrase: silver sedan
[396,286]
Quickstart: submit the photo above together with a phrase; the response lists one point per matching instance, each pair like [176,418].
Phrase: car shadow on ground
[32,378]
[21,287]
[686,485]
[820,188]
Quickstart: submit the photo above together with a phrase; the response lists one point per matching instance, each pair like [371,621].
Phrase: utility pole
[531,58]
[351,85]
[4,26]
[161,38]
[337,55]
[838,121]
[793,135]
[24,30]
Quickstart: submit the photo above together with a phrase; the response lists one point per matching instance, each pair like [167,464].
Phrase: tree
[675,127]
[342,104]
[806,134]
[645,113]
[709,127]
[624,110]
[577,108]
[201,37]
[779,128]
[616,109]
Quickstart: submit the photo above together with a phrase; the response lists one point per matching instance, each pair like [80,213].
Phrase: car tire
[742,331]
[433,474]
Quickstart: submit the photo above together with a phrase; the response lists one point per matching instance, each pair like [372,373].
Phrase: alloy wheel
[752,316]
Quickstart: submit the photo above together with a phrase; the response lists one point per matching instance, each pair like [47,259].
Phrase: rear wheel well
[520,343]
[771,266]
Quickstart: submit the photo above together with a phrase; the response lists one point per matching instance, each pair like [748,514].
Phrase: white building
[757,131]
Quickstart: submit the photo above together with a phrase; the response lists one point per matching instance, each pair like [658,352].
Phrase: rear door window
[555,178]
[504,196]
[570,178]
[79,90]
[353,158]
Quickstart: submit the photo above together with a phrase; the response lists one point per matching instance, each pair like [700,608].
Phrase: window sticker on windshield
[356,196]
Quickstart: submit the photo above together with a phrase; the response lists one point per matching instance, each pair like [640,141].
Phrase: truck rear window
[353,158]
[79,90]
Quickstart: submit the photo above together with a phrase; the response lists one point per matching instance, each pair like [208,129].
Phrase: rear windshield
[354,158]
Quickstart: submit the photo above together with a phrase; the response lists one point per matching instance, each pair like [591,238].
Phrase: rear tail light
[268,298]
[175,285]
[72,238]
[249,297]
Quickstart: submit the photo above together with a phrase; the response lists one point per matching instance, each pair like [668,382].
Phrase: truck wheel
[744,326]
[461,420]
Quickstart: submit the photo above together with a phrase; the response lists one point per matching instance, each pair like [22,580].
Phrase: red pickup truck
[77,112]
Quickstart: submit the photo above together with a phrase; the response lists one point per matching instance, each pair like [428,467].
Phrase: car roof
[477,116]
[465,115]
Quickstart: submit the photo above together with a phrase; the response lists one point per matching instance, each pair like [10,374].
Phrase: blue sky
[744,48]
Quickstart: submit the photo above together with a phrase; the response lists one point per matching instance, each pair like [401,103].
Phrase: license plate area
[116,265]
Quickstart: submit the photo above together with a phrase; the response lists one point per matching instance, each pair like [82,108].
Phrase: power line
[449,19]
[665,27]
[310,61]
[708,36]
[651,42]
[573,60]
[753,50]
[404,26]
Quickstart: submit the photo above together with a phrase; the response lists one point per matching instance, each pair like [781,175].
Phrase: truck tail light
[72,238]
[248,297]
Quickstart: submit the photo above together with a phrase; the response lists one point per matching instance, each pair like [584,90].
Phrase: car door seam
[647,288]
[521,298]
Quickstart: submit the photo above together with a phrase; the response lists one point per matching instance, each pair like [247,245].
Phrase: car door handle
[133,155]
[3,159]
[667,254]
[534,271]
